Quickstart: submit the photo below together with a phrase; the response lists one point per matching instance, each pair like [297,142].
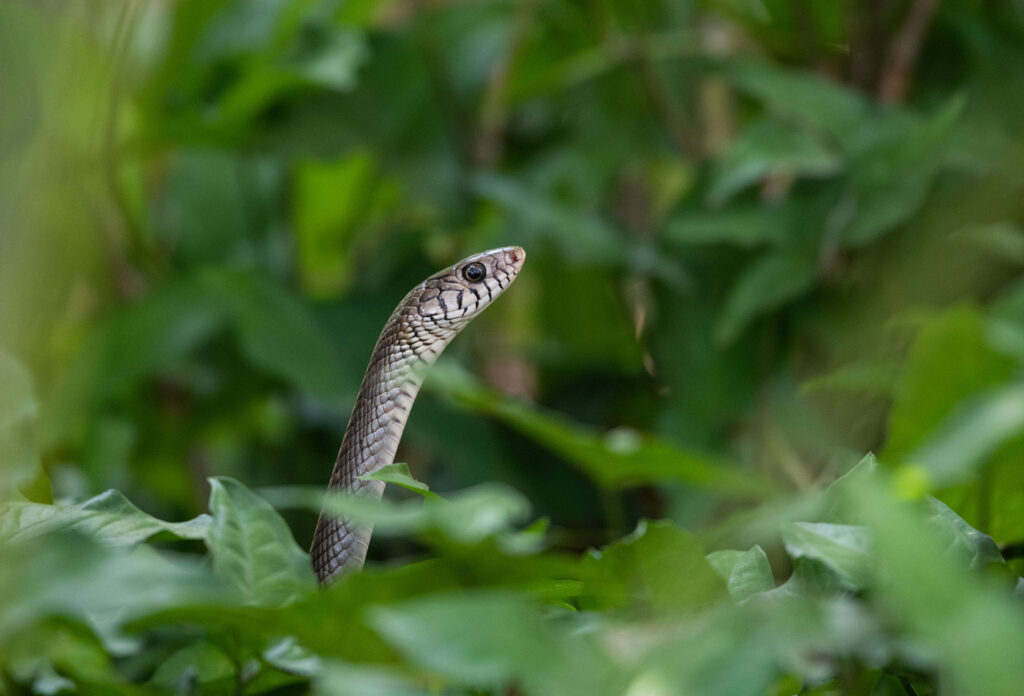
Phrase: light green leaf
[339,679]
[110,518]
[745,572]
[843,548]
[645,569]
[253,548]
[928,391]
[398,473]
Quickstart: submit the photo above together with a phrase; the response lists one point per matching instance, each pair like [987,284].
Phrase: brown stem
[904,50]
[488,145]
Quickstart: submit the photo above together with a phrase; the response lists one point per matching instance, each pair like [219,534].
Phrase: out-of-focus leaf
[356,680]
[253,548]
[971,434]
[276,332]
[821,105]
[744,572]
[336,205]
[72,576]
[874,377]
[110,518]
[764,148]
[620,458]
[891,181]
[645,568]
[475,640]
[469,516]
[744,226]
[769,282]
[978,632]
[928,390]
[843,548]
[18,409]
[199,667]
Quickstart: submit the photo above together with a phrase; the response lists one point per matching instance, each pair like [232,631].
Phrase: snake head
[458,293]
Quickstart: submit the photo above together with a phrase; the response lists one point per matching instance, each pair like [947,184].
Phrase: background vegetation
[766,239]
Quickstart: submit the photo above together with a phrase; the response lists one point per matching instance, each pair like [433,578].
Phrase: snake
[422,325]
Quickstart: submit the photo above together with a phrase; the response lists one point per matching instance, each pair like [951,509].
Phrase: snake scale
[418,330]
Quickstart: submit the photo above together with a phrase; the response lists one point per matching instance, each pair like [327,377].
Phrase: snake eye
[474,272]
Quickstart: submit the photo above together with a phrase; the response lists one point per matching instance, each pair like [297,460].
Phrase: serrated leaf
[252,547]
[110,518]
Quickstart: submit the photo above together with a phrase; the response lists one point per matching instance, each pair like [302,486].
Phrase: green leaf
[252,547]
[889,183]
[977,549]
[767,147]
[277,332]
[928,391]
[399,474]
[843,548]
[362,680]
[743,226]
[493,640]
[768,283]
[110,518]
[644,569]
[975,628]
[745,572]
[620,458]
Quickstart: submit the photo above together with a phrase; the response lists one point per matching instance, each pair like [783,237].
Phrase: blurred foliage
[765,238]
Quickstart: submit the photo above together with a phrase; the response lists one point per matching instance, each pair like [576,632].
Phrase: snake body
[418,330]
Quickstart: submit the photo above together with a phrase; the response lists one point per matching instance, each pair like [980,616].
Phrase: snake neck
[407,345]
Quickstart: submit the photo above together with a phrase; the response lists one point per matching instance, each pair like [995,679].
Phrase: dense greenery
[749,422]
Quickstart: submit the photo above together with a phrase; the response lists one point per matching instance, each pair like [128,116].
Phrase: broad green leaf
[971,434]
[620,458]
[252,547]
[493,640]
[109,518]
[340,679]
[744,572]
[764,148]
[201,665]
[845,549]
[928,391]
[974,627]
[647,569]
[768,283]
